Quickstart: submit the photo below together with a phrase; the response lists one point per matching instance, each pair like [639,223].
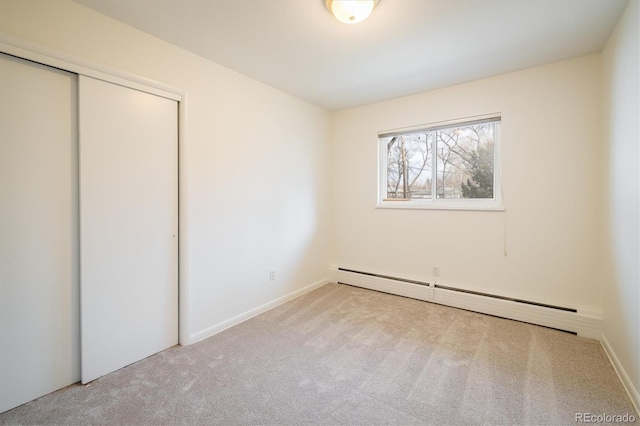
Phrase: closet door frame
[45,55]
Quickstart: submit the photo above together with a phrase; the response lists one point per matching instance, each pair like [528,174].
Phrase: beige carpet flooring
[344,355]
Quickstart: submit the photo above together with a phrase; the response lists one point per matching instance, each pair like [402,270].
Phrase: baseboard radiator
[558,317]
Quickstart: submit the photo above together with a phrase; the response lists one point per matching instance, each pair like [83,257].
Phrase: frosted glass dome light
[351,11]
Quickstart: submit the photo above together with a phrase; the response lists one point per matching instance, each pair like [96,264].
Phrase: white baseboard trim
[634,396]
[584,324]
[217,328]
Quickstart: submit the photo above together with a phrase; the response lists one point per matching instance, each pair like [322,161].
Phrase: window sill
[491,206]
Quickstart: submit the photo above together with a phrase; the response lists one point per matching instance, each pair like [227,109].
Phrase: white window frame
[481,204]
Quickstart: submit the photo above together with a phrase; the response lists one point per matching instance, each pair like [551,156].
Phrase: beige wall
[551,230]
[257,161]
[621,290]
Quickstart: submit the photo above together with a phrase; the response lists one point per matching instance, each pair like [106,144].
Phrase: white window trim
[494,204]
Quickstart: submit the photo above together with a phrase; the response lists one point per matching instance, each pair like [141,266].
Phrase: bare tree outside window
[465,163]
[444,163]
[409,166]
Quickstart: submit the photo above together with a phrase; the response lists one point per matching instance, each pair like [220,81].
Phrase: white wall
[551,138]
[257,161]
[621,292]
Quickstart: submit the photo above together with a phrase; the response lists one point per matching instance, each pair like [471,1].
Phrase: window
[443,166]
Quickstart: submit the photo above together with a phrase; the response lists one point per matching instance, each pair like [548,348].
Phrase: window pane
[409,166]
[465,161]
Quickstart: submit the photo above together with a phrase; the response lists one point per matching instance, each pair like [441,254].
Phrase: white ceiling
[405,47]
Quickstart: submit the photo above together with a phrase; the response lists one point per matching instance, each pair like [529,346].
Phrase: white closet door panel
[129,225]
[39,272]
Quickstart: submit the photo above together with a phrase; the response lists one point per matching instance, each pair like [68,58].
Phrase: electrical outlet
[436,271]
[272,275]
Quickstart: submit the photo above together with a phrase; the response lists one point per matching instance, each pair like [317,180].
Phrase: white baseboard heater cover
[561,318]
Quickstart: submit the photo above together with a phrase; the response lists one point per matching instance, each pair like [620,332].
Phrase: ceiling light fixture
[351,11]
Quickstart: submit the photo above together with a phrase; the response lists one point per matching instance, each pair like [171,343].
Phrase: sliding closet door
[39,276]
[129,225]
